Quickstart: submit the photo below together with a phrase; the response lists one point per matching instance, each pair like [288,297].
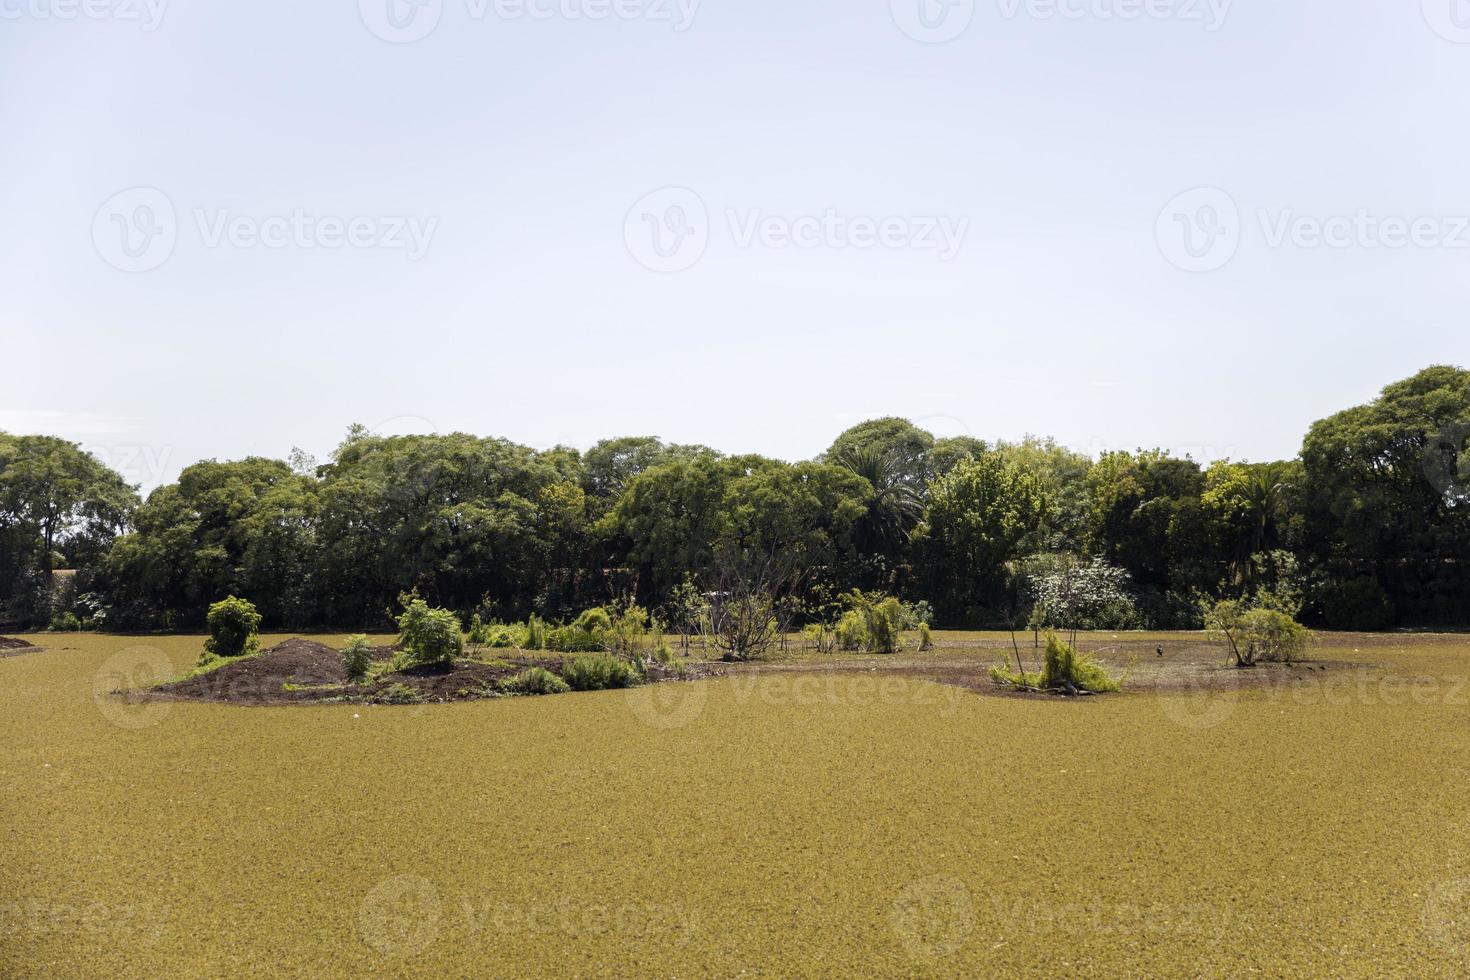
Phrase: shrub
[819,637]
[535,680]
[626,632]
[479,633]
[1257,632]
[357,656]
[501,637]
[234,628]
[1063,669]
[535,634]
[594,620]
[430,637]
[400,694]
[873,623]
[570,639]
[66,622]
[926,638]
[852,631]
[599,672]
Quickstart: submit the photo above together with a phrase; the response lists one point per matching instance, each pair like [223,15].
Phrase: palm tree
[896,506]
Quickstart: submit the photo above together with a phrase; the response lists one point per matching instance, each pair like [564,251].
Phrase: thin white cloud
[70,425]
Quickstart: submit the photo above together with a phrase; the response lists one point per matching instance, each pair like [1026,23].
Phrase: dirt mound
[303,671]
[12,647]
[296,670]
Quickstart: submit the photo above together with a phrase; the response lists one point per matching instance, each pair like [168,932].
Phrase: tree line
[1369,524]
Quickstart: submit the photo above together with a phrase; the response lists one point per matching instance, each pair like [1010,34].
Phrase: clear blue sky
[520,148]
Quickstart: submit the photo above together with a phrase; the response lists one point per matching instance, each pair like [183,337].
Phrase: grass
[779,823]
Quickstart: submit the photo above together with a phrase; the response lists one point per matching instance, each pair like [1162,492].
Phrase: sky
[234,229]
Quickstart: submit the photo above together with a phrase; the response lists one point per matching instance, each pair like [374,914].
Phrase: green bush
[66,622]
[926,638]
[599,672]
[400,694]
[479,633]
[852,631]
[570,639]
[535,634]
[535,680]
[234,628]
[594,620]
[873,623]
[430,637]
[1063,669]
[357,656]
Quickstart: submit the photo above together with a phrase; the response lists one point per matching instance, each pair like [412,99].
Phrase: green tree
[1386,493]
[983,514]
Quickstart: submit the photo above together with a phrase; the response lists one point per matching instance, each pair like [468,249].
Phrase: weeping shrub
[1063,668]
[926,638]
